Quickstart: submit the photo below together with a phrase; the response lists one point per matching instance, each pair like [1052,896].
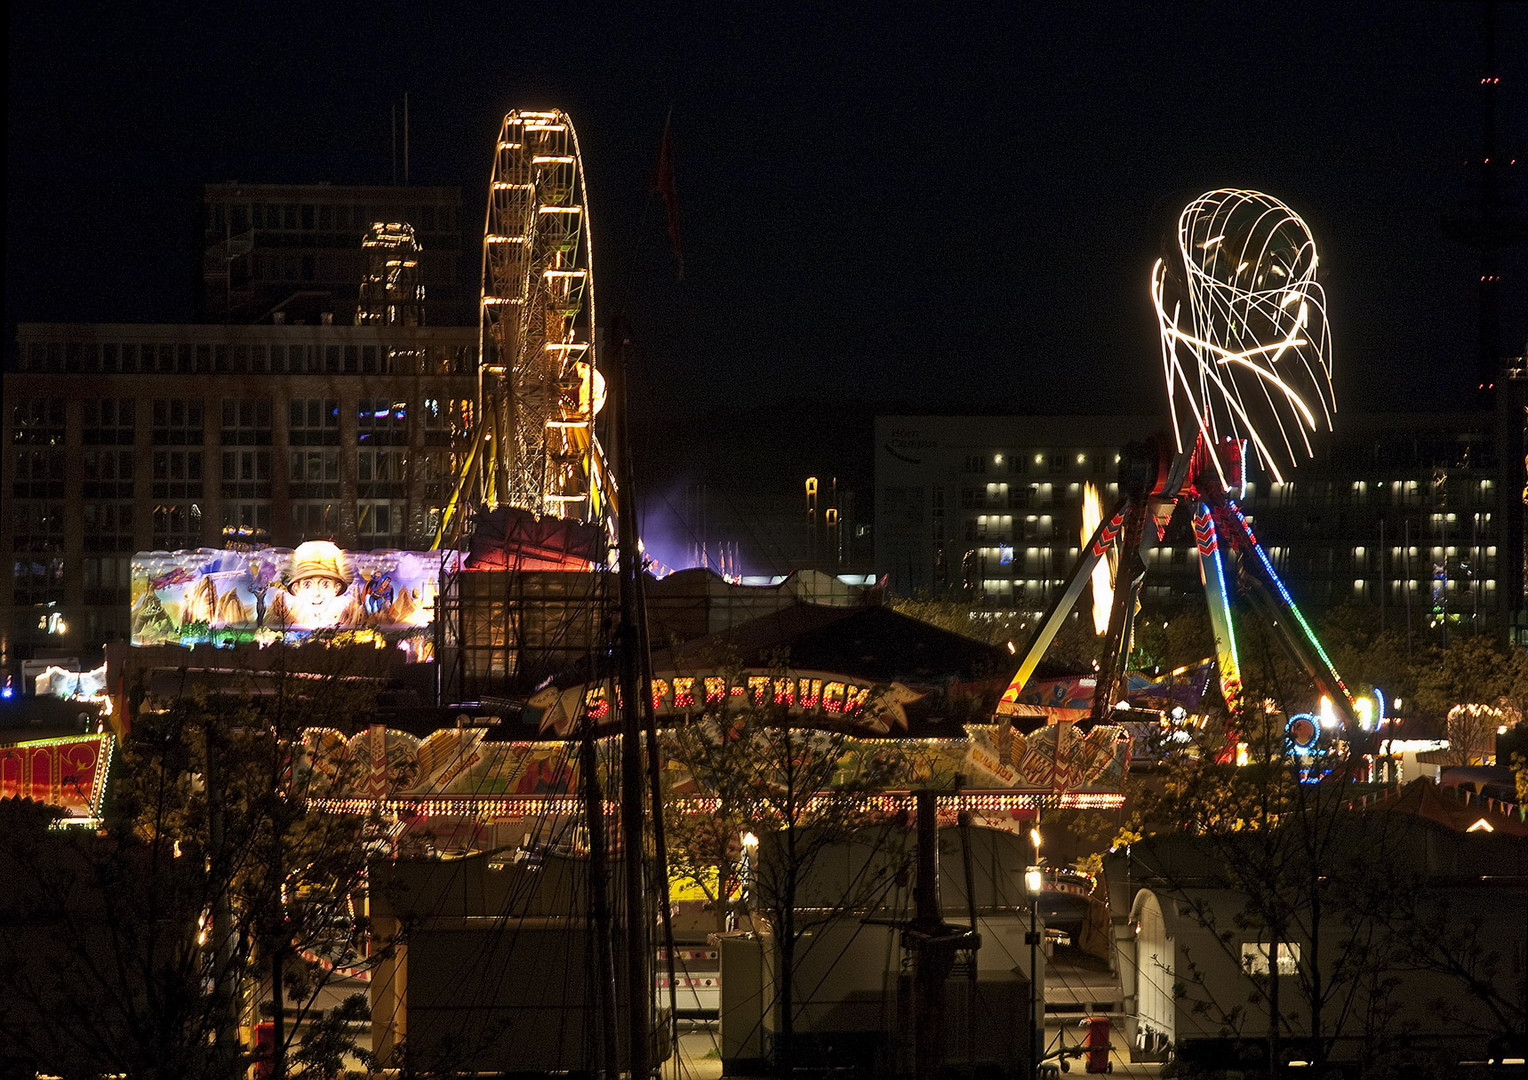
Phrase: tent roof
[874,643]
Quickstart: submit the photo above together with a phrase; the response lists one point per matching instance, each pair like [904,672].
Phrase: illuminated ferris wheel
[539,384]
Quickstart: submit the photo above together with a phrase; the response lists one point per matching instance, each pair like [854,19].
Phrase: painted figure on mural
[317,593]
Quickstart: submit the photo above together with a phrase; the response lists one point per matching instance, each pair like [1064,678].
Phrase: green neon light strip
[1278,583]
[1230,659]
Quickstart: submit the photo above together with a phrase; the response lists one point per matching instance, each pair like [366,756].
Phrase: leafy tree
[751,769]
[1367,655]
[211,885]
[994,626]
[1473,670]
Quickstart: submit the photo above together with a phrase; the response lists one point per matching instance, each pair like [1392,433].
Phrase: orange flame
[1103,588]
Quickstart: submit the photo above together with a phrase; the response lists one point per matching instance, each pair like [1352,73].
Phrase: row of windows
[39,473]
[40,422]
[108,526]
[1439,564]
[1055,462]
[119,357]
[1443,490]
[1480,596]
[225,218]
[309,266]
[998,496]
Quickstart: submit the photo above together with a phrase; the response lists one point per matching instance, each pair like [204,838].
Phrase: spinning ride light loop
[1245,348]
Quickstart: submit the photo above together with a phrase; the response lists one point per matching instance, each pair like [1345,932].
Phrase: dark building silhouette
[294,253]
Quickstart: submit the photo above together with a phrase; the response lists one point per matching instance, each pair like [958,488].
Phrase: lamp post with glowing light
[1034,881]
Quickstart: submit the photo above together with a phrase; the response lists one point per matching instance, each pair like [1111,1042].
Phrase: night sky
[916,206]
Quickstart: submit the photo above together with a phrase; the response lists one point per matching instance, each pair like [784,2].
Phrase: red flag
[663,184]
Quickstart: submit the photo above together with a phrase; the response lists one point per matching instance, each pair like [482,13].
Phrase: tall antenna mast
[1489,223]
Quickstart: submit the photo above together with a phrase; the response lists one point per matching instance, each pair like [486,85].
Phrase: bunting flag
[663,184]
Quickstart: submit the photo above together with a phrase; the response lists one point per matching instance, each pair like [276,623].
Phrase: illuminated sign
[69,772]
[286,595]
[801,693]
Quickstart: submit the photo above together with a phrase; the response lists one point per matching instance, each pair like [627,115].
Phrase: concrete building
[293,252]
[988,509]
[125,438]
[1420,515]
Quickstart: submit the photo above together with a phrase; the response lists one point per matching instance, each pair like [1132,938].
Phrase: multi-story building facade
[293,252]
[988,509]
[126,438]
[1404,513]
[1418,515]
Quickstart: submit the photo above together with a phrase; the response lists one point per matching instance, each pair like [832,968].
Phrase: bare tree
[1287,852]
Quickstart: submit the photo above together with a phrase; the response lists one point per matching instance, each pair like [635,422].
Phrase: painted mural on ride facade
[68,772]
[270,595]
[1071,697]
[459,770]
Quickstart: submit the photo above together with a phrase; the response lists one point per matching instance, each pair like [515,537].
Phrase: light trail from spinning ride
[1245,351]
[1247,364]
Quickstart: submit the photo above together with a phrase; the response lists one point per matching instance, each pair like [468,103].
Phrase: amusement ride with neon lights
[1248,368]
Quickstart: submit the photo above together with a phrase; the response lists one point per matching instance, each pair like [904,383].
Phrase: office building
[1420,516]
[126,438]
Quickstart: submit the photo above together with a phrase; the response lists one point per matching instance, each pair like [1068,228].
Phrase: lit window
[1254,957]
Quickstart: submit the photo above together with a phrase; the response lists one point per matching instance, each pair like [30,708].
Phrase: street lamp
[750,859]
[1034,882]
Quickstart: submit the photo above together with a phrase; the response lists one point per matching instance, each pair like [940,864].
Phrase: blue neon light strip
[1278,583]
